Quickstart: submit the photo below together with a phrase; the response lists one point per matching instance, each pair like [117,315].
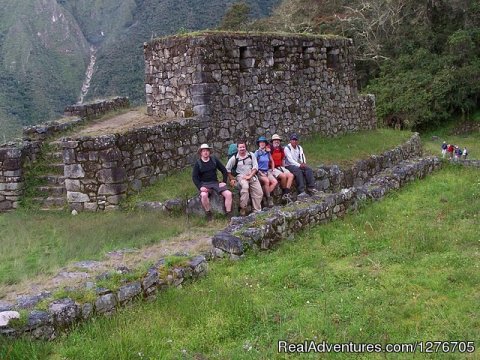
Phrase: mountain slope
[43,57]
[45,49]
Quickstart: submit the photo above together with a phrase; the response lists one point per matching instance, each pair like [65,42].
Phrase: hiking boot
[229,215]
[312,191]
[270,202]
[303,196]
[243,212]
[209,215]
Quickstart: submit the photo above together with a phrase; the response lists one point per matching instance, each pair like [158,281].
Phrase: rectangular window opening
[332,58]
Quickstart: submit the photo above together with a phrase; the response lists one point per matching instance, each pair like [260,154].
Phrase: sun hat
[262,138]
[204,146]
[276,137]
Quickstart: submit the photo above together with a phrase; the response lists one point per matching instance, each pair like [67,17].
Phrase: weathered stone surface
[6,316]
[64,312]
[111,176]
[227,242]
[74,171]
[29,301]
[106,303]
[128,292]
[73,196]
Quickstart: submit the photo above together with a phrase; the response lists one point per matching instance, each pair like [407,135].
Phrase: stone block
[112,175]
[72,185]
[77,197]
[112,189]
[106,304]
[74,171]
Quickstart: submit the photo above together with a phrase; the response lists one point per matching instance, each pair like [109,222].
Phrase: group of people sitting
[453,151]
[256,174]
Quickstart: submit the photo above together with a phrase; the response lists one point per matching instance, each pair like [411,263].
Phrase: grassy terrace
[401,270]
[36,243]
[343,150]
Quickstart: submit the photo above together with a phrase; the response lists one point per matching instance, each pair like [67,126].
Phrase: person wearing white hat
[204,176]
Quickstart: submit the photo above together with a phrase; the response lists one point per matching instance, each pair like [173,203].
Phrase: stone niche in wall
[251,85]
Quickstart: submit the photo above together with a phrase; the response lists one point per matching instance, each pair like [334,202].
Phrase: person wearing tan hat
[283,175]
[204,176]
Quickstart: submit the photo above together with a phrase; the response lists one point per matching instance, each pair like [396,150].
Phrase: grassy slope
[39,243]
[401,270]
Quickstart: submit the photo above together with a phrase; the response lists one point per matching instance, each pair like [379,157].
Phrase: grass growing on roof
[403,269]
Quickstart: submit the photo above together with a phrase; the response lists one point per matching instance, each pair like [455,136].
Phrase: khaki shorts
[267,174]
[280,170]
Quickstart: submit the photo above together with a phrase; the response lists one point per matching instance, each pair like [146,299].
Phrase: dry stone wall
[13,157]
[251,85]
[262,231]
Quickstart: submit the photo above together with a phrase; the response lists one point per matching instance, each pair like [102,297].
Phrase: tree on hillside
[236,17]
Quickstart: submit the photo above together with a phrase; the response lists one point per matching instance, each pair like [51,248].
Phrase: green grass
[471,141]
[401,270]
[35,243]
[343,150]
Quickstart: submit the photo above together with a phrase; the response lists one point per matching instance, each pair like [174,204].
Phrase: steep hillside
[43,57]
[45,49]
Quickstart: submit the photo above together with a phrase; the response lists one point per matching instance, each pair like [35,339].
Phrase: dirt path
[132,119]
[79,273]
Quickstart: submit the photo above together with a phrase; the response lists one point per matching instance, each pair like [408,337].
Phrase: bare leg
[205,200]
[227,194]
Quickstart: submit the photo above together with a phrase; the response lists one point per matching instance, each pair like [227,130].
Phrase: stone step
[56,168]
[52,179]
[56,145]
[56,156]
[55,191]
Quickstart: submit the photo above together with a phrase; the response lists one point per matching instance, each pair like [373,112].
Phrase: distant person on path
[296,163]
[465,153]
[280,171]
[458,153]
[265,169]
[242,168]
[204,176]
[450,149]
[444,149]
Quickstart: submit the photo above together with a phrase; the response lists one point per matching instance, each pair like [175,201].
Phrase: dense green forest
[421,58]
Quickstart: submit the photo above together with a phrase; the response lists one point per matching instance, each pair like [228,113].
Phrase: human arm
[196,175]
[254,170]
[223,170]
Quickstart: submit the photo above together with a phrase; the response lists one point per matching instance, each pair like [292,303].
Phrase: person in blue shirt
[265,169]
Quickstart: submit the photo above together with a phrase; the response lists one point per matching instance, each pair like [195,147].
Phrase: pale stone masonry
[250,85]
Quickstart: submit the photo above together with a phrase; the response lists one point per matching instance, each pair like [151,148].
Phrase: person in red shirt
[450,149]
[284,177]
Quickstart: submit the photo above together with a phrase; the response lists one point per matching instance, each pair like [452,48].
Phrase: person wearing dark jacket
[204,176]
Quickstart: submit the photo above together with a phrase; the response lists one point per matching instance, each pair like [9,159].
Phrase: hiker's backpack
[232,150]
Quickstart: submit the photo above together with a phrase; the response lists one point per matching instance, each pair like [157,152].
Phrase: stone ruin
[215,88]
